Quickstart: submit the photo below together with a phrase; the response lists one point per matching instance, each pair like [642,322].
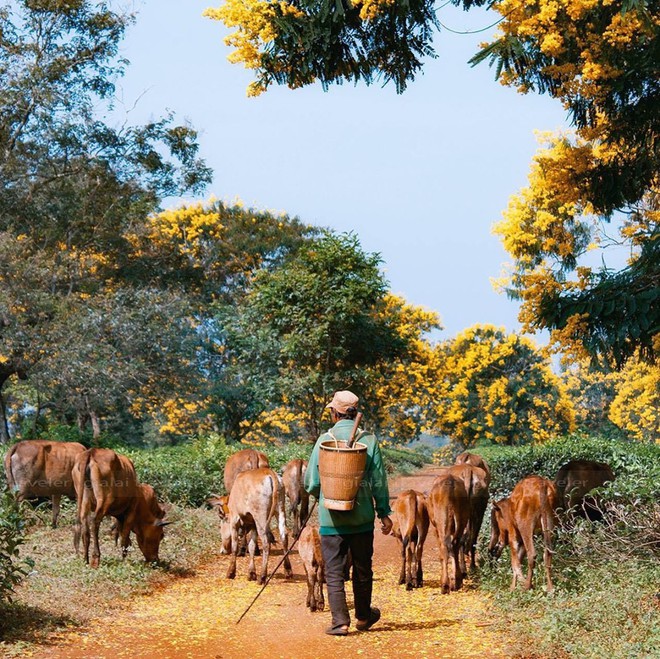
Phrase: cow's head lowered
[220,503]
[500,521]
[148,524]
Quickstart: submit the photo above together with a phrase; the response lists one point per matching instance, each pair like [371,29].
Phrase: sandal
[337,631]
[374,617]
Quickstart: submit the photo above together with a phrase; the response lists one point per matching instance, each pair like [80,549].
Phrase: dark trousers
[335,548]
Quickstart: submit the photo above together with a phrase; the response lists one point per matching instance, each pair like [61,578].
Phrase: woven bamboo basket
[341,469]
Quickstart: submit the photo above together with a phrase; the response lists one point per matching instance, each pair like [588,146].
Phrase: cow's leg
[124,532]
[410,559]
[547,552]
[459,565]
[517,552]
[76,535]
[95,523]
[265,552]
[284,539]
[231,570]
[444,559]
[311,595]
[463,544]
[528,541]
[86,526]
[402,573]
[56,499]
[252,547]
[419,572]
[295,516]
[320,578]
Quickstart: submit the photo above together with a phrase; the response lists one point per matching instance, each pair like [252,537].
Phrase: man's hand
[385,525]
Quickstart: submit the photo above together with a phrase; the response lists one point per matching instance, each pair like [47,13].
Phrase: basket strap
[334,438]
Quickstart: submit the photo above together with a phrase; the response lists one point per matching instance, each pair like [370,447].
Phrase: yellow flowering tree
[636,406]
[400,397]
[600,59]
[499,387]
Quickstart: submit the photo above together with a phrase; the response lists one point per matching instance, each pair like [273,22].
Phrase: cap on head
[342,401]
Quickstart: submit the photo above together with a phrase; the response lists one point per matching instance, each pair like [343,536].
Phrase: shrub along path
[196,616]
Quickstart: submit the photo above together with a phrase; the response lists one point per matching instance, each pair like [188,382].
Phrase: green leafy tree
[72,185]
[313,325]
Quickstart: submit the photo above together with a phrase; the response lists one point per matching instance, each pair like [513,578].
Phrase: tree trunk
[4,424]
[96,427]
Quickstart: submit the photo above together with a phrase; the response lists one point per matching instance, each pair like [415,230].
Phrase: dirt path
[196,617]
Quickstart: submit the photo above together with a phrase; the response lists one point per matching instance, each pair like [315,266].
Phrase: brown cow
[40,468]
[449,513]
[475,460]
[243,461]
[309,550]
[578,477]
[293,476]
[106,484]
[410,526]
[256,496]
[475,480]
[530,508]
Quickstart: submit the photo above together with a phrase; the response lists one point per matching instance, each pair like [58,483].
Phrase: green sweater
[373,487]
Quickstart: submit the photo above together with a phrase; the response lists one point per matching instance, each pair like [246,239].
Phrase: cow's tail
[409,532]
[277,507]
[81,479]
[11,483]
[304,503]
[547,519]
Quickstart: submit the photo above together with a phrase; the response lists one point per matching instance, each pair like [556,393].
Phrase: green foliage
[12,568]
[622,308]
[312,326]
[606,609]
[636,466]
[187,474]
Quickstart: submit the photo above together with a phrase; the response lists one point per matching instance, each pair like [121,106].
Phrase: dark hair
[350,413]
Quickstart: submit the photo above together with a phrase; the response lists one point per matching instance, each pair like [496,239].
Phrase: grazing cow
[449,514]
[531,508]
[256,496]
[39,468]
[293,476]
[410,526]
[309,550]
[578,477]
[106,484]
[475,460]
[220,503]
[243,461]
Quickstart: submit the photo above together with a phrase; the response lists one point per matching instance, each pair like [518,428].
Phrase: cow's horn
[161,522]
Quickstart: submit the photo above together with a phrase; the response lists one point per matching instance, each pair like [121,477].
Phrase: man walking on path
[352,530]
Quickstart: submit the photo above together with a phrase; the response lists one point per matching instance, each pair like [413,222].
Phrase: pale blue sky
[420,177]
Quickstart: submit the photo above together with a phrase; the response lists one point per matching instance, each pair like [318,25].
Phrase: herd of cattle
[104,483]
